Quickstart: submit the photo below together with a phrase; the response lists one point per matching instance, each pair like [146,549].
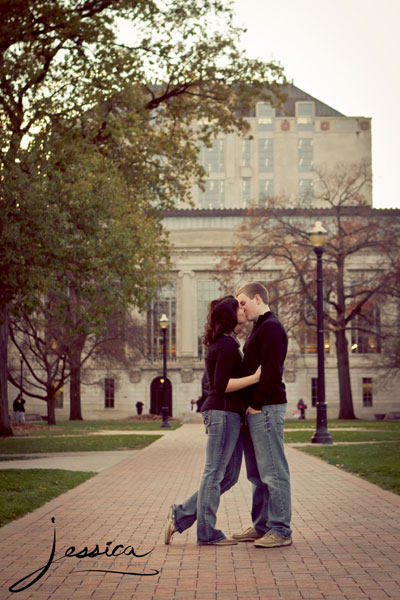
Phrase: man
[19,409]
[266,463]
[301,405]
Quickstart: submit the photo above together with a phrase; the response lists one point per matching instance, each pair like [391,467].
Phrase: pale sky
[346,53]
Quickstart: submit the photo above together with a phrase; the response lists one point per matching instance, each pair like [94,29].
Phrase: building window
[264,110]
[314,391]
[213,158]
[265,155]
[109,393]
[214,194]
[246,192]
[305,154]
[265,114]
[304,113]
[304,109]
[307,337]
[266,191]
[165,303]
[59,398]
[365,331]
[207,290]
[367,391]
[246,153]
[305,192]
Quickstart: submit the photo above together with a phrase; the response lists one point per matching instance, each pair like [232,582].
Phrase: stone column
[187,317]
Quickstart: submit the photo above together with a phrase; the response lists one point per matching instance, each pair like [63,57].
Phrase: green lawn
[345,436]
[23,490]
[377,463]
[74,443]
[84,427]
[346,424]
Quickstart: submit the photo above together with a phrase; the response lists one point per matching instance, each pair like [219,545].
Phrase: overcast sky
[346,53]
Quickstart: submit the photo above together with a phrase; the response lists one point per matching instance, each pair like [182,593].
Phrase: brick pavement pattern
[346,537]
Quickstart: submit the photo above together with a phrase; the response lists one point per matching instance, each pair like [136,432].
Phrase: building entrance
[160,395]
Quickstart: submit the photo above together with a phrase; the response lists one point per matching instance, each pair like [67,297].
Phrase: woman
[222,413]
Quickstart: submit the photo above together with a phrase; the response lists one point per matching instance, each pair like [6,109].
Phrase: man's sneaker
[170,527]
[226,542]
[271,540]
[249,535]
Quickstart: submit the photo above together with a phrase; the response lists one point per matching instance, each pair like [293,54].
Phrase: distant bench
[34,417]
[392,416]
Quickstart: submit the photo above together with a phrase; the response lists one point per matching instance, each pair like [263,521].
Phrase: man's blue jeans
[268,470]
[221,472]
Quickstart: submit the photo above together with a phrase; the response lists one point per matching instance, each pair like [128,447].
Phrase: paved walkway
[346,536]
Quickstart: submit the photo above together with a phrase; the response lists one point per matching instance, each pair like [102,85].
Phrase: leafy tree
[112,254]
[276,240]
[60,60]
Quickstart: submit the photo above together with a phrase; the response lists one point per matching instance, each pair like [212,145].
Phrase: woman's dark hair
[221,318]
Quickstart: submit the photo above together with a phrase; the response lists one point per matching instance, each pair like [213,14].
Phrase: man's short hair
[252,288]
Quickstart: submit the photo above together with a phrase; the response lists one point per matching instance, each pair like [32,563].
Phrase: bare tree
[46,346]
[358,262]
[44,360]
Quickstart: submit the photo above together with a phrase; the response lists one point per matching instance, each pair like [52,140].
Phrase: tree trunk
[346,410]
[5,427]
[51,413]
[75,413]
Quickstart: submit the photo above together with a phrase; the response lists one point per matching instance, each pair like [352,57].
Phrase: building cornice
[295,212]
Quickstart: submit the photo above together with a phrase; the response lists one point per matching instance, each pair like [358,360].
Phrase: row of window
[304,113]
[213,158]
[109,393]
[364,336]
[366,391]
[214,194]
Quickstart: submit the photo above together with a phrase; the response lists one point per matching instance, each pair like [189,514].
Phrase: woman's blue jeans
[268,470]
[221,472]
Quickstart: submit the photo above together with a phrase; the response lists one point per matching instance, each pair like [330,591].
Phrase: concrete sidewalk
[346,536]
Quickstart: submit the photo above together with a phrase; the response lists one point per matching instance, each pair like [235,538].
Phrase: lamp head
[164,322]
[318,235]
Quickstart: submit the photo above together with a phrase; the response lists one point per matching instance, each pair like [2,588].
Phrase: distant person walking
[19,409]
[302,406]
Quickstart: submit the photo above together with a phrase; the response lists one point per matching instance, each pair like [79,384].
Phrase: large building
[275,159]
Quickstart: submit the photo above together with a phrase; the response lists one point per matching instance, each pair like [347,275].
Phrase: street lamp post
[318,237]
[164,322]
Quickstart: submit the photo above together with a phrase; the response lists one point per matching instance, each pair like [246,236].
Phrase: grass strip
[377,463]
[24,490]
[89,443]
[343,424]
[84,427]
[345,436]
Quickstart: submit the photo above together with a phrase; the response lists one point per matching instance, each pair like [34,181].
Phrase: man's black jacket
[266,346]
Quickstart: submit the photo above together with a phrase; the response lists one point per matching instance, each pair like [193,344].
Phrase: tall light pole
[164,322]
[318,238]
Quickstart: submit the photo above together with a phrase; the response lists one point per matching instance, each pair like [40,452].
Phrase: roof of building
[295,94]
